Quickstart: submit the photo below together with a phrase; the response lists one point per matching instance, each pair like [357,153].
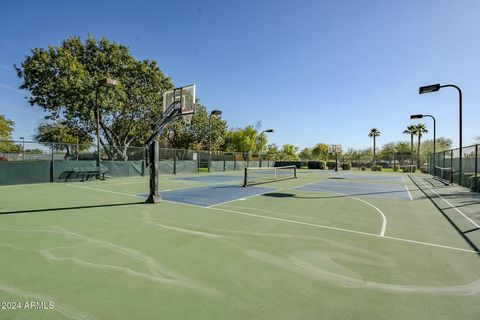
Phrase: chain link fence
[449,161]
[32,162]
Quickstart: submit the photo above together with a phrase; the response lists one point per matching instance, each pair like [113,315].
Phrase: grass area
[97,251]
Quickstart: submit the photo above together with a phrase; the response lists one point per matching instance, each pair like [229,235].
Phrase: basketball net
[187,118]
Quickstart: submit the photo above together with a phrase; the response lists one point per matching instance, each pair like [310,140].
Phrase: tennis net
[444,174]
[264,175]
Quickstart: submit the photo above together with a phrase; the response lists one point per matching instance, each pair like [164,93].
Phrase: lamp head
[108,82]
[216,112]
[416,116]
[428,89]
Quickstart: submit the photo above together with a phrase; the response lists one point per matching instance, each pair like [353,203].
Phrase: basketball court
[315,246]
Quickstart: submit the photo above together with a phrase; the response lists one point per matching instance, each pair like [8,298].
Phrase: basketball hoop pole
[153,156]
[169,114]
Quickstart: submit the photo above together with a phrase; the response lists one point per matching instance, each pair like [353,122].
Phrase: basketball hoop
[187,118]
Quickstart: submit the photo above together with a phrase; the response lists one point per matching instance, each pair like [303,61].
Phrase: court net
[264,175]
[443,174]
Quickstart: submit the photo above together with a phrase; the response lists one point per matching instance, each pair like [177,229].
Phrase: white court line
[330,228]
[384,222]
[108,191]
[253,195]
[408,191]
[447,202]
[302,223]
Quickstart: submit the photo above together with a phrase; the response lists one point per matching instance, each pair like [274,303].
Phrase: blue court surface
[212,195]
[396,191]
[211,179]
[371,177]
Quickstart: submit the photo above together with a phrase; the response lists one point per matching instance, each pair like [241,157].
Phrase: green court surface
[324,246]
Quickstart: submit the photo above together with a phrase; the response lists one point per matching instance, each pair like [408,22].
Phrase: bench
[87,172]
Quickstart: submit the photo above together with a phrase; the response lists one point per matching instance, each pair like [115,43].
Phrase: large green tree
[6,129]
[271,152]
[288,152]
[320,151]
[179,135]
[64,80]
[305,154]
[442,144]
[65,136]
[242,139]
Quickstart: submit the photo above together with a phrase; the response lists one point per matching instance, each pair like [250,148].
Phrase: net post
[245,177]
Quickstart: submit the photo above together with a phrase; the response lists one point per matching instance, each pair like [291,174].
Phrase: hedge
[317,165]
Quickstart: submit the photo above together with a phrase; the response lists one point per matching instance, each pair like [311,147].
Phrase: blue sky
[316,71]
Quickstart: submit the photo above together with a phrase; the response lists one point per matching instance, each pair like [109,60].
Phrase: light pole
[102,82]
[261,145]
[213,113]
[420,116]
[23,148]
[436,87]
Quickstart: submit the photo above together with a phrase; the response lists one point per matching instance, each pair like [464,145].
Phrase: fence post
[52,163]
[476,168]
[451,159]
[174,161]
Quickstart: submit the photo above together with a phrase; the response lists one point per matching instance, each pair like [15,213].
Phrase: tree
[320,151]
[305,154]
[388,150]
[64,81]
[271,152]
[244,140]
[374,133]
[442,144]
[6,129]
[63,134]
[288,152]
[419,129]
[195,136]
[411,131]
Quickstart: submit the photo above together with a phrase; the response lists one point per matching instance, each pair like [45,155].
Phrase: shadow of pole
[72,208]
[462,233]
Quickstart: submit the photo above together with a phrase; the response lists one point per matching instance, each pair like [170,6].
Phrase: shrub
[331,165]
[396,167]
[383,164]
[469,180]
[2,158]
[346,166]
[409,168]
[377,168]
[363,168]
[317,165]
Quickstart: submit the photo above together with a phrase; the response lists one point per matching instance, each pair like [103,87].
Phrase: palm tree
[374,133]
[411,131]
[420,130]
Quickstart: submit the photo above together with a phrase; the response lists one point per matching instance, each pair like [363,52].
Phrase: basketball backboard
[182,98]
[334,149]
